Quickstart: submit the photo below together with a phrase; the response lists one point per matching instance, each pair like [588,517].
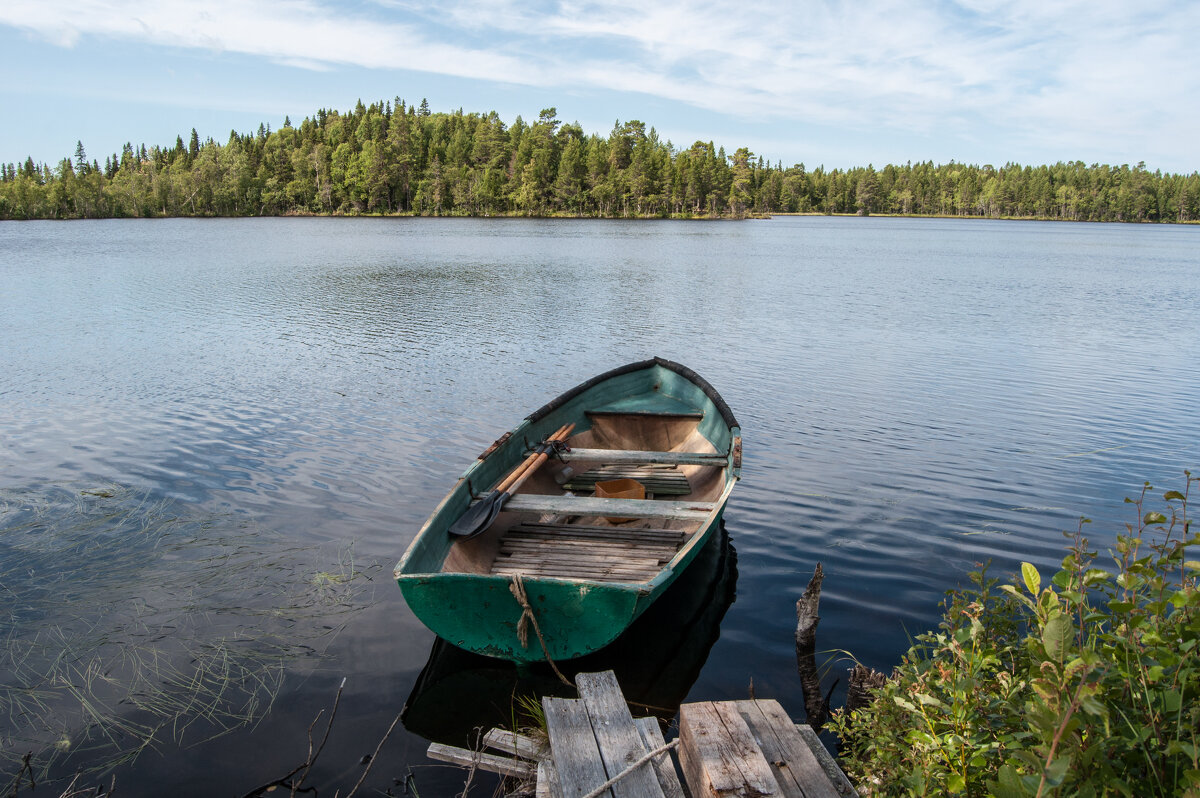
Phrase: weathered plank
[718,754]
[593,541]
[532,559]
[569,567]
[605,566]
[547,780]
[628,456]
[663,481]
[615,508]
[597,547]
[593,573]
[602,530]
[840,782]
[792,763]
[618,738]
[578,574]
[664,768]
[503,765]
[573,745]
[515,744]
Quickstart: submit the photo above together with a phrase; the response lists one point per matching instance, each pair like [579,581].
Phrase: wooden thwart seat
[634,456]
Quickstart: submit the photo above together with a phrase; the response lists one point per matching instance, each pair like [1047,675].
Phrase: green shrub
[1085,686]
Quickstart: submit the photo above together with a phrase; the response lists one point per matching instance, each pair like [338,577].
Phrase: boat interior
[554,526]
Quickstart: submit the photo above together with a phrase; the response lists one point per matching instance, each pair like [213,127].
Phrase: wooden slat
[547,780]
[652,738]
[657,479]
[576,754]
[566,570]
[614,508]
[490,762]
[794,766]
[594,574]
[620,548]
[587,548]
[618,738]
[840,782]
[515,744]
[568,566]
[583,546]
[614,532]
[718,754]
[631,456]
[524,556]
[612,564]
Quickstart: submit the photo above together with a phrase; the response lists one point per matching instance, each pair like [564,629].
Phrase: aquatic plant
[1088,685]
[129,623]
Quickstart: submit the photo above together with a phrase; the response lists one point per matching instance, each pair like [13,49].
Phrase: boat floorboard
[657,479]
[620,508]
[596,553]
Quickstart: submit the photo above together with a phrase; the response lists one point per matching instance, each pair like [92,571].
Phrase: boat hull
[480,611]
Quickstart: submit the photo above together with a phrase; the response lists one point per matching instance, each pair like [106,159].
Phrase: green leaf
[930,701]
[1093,707]
[1008,784]
[1058,771]
[1192,565]
[1055,635]
[1033,580]
[1173,494]
[1154,518]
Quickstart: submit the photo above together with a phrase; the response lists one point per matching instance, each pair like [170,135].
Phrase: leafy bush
[1087,686]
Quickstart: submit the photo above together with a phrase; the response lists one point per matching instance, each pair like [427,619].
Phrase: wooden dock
[725,749]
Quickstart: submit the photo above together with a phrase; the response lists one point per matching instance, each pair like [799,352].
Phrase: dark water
[265,411]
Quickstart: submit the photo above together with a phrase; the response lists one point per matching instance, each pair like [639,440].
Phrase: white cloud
[1085,74]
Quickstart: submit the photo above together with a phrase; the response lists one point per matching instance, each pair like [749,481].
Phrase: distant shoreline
[581,217]
[400,160]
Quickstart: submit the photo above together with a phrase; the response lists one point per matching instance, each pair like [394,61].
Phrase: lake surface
[220,435]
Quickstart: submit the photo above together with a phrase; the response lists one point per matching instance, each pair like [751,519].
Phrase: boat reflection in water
[656,660]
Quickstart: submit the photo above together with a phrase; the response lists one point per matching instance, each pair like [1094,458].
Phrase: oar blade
[478,516]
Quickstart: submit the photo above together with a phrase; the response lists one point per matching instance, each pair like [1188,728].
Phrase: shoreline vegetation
[1086,684]
[395,159]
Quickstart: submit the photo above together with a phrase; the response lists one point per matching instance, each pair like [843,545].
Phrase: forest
[396,158]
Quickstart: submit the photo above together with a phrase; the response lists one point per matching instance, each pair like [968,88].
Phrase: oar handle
[561,433]
[536,464]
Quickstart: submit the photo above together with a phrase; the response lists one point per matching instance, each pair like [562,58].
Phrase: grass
[130,623]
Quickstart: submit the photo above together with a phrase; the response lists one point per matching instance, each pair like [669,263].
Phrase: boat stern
[482,613]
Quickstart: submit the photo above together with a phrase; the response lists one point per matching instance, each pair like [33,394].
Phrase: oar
[480,515]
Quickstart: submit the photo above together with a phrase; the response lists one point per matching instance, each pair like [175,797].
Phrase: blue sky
[836,82]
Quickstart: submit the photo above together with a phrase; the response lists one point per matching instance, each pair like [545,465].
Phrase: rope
[596,793]
[527,617]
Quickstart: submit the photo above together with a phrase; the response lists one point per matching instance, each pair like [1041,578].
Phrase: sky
[837,83]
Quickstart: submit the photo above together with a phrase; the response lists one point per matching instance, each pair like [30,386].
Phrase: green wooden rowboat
[583,567]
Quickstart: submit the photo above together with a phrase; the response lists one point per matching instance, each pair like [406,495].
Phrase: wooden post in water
[816,706]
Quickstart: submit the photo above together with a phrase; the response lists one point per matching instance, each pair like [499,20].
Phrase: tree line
[391,157]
